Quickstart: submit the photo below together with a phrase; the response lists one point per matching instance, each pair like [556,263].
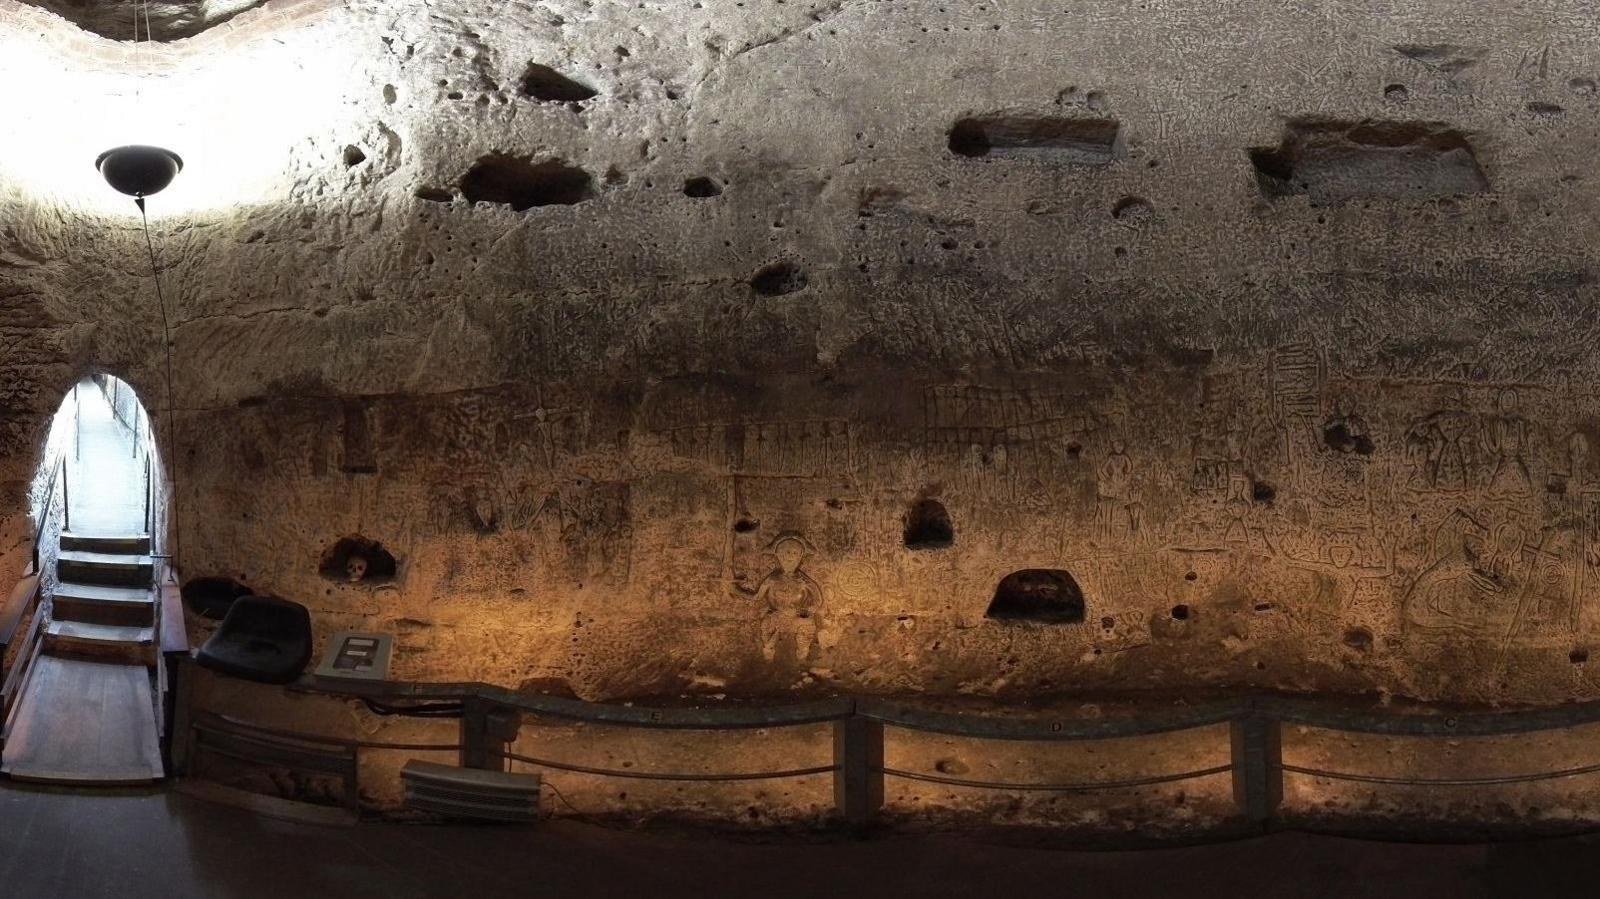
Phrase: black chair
[263,639]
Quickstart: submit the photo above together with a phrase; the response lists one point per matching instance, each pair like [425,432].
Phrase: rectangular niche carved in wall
[1333,161]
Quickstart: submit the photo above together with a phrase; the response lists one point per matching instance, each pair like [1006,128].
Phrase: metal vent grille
[470,793]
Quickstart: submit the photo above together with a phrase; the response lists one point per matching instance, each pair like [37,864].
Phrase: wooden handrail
[17,676]
[22,604]
[1319,713]
[23,597]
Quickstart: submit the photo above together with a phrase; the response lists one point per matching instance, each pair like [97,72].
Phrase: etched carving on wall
[792,602]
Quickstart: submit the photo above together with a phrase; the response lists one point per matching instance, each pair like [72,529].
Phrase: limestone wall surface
[747,348]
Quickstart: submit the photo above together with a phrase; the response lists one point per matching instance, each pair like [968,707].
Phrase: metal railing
[58,474]
[491,718]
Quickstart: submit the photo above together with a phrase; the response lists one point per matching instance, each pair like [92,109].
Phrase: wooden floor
[84,722]
[133,844]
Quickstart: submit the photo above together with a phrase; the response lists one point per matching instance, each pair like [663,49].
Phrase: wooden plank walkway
[83,722]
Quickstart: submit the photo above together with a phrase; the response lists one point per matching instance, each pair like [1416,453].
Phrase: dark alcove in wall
[928,525]
[1045,595]
[358,560]
[210,596]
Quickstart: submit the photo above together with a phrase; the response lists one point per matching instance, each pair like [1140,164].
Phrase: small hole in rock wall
[779,279]
[210,596]
[701,188]
[1578,656]
[522,184]
[1358,638]
[1133,211]
[1067,140]
[544,83]
[928,526]
[434,194]
[745,526]
[1043,595]
[1180,612]
[1262,492]
[353,156]
[359,560]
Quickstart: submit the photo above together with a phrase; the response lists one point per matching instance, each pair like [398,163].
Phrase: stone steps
[101,642]
[106,569]
[112,544]
[101,604]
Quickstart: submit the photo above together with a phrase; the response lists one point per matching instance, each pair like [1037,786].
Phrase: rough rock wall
[750,347]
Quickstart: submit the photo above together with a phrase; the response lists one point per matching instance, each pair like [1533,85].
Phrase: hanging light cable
[139,171]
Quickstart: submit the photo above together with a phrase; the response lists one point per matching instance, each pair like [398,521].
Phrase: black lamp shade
[137,170]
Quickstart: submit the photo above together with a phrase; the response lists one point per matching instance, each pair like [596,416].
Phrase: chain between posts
[492,717]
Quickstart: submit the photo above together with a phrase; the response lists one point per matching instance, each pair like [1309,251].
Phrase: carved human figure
[1113,492]
[973,467]
[1346,468]
[481,508]
[792,599]
[1240,514]
[1452,594]
[1449,458]
[1577,450]
[1347,430]
[1505,437]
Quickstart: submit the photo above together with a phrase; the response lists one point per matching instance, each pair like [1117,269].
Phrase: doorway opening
[91,679]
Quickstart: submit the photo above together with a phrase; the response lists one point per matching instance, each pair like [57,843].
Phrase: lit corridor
[106,476]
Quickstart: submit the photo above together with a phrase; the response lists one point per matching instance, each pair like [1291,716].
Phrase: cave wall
[619,327]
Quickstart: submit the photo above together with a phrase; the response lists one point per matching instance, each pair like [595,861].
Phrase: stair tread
[84,722]
[105,633]
[105,593]
[113,535]
[119,560]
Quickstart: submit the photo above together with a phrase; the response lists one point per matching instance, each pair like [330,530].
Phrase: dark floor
[161,844]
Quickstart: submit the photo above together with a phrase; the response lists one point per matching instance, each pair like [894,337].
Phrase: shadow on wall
[358,560]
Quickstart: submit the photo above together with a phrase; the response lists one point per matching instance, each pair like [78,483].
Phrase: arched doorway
[86,707]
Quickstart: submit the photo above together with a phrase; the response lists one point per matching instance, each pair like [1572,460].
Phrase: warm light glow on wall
[236,116]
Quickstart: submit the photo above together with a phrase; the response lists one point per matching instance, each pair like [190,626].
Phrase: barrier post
[485,731]
[1257,777]
[858,777]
